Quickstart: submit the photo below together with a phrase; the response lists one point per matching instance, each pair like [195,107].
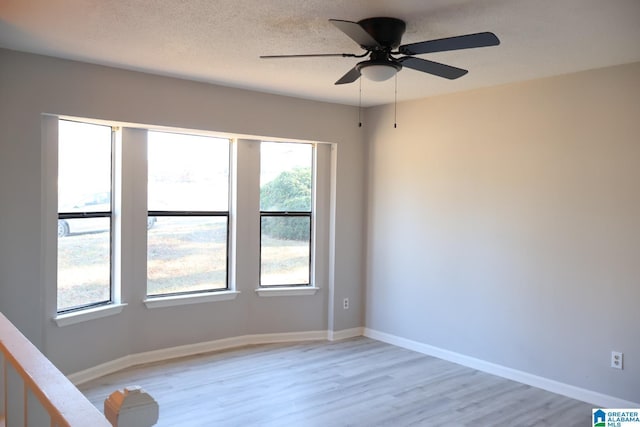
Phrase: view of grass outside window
[285,213]
[84,215]
[188,204]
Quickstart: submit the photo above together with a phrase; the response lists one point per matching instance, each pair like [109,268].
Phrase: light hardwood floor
[355,382]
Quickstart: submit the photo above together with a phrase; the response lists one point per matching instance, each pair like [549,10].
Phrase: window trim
[286,291]
[90,313]
[190,298]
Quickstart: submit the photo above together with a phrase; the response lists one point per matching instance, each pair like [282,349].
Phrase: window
[84,215]
[188,213]
[286,201]
[108,179]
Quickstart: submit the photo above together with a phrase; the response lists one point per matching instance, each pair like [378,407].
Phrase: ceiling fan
[380,36]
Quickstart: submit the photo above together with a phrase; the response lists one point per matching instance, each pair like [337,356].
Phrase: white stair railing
[34,392]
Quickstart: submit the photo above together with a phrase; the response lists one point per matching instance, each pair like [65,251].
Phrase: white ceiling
[219,41]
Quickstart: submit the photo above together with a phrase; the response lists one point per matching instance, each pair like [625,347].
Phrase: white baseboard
[597,399]
[86,375]
[345,333]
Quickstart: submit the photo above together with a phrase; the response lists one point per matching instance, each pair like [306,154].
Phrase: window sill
[67,319]
[170,301]
[287,291]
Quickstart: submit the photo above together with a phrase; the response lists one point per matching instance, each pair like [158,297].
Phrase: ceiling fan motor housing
[386,31]
[379,58]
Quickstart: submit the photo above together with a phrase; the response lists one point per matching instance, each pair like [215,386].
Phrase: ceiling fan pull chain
[360,106]
[395,106]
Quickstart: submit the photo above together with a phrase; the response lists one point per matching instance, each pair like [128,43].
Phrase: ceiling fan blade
[435,68]
[451,43]
[356,33]
[309,55]
[351,76]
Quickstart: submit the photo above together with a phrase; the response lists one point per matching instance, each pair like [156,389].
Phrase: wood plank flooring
[355,382]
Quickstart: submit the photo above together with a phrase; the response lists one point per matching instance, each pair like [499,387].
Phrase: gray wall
[504,224]
[31,85]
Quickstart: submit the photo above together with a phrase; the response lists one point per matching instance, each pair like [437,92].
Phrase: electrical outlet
[345,303]
[616,359]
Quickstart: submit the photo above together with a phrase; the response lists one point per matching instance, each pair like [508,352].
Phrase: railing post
[132,407]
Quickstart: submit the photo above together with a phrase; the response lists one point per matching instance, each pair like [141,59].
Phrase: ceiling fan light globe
[379,72]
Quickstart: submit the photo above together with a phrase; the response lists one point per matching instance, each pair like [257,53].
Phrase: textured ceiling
[219,41]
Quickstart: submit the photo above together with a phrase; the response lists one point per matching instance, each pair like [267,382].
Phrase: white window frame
[198,296]
[97,305]
[293,214]
[129,280]
[322,207]
[49,225]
